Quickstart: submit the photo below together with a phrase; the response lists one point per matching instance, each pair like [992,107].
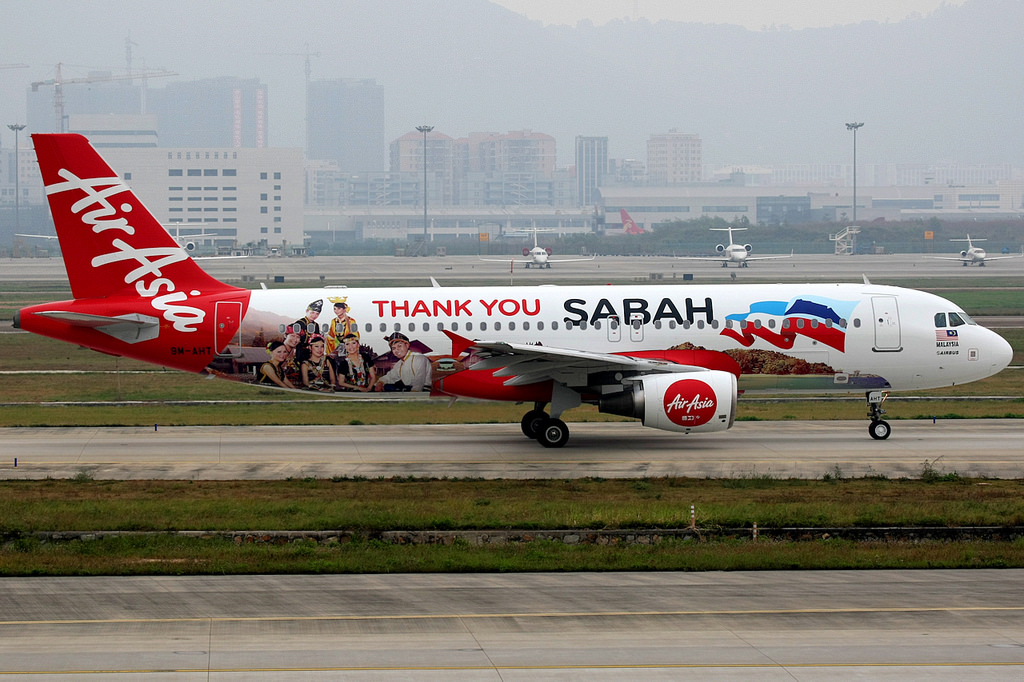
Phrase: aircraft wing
[508,260]
[526,364]
[954,258]
[37,236]
[767,257]
[569,260]
[988,258]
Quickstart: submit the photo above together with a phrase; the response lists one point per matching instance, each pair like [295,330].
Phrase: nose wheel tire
[553,433]
[879,429]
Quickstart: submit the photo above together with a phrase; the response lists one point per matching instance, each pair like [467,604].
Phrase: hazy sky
[775,96]
[751,14]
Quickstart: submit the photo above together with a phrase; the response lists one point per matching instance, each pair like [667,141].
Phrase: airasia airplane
[733,253]
[675,357]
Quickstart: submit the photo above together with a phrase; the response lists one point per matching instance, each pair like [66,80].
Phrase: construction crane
[59,82]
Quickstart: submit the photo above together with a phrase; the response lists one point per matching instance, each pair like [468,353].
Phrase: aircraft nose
[999,352]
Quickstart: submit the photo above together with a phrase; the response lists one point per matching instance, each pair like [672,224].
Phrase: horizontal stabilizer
[130,328]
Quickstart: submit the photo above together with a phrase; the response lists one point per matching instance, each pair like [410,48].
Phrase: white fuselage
[868,336]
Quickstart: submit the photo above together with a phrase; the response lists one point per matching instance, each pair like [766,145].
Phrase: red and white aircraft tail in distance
[674,356]
[629,226]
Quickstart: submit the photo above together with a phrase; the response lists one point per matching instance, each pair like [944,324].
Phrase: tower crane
[58,83]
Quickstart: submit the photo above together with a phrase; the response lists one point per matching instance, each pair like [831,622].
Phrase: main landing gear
[548,431]
[879,428]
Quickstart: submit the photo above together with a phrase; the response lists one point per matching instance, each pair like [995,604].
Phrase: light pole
[853,127]
[424,130]
[17,128]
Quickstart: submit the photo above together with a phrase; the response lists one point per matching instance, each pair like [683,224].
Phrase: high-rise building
[591,166]
[345,123]
[213,112]
[674,158]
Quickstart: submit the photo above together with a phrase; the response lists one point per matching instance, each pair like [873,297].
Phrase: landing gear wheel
[532,421]
[553,433]
[880,429]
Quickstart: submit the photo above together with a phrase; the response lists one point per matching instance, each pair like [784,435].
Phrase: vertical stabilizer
[112,244]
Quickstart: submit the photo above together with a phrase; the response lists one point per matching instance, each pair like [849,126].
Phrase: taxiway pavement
[815,625]
[783,449]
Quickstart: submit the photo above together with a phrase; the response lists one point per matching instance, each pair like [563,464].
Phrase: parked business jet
[974,255]
[538,256]
[629,226]
[674,357]
[733,253]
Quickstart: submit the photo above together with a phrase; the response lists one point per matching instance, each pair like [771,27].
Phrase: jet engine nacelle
[720,248]
[963,254]
[688,401]
[526,251]
[747,247]
[189,247]
[548,250]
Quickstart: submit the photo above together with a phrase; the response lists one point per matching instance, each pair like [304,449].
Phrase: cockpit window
[940,319]
[955,320]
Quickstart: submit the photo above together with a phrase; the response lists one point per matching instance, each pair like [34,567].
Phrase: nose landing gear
[879,428]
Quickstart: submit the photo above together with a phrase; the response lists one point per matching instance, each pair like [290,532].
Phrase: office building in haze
[345,124]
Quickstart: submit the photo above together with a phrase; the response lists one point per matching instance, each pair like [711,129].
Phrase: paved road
[803,449]
[936,625]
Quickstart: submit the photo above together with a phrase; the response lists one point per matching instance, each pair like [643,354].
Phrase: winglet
[460,344]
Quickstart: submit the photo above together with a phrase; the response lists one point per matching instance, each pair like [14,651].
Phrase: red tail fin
[629,225]
[111,243]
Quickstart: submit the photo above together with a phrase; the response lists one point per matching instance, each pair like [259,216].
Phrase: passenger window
[526,326]
[940,319]
[455,326]
[383,327]
[540,326]
[497,326]
[955,320]
[440,326]
[597,324]
[511,326]
[483,326]
[469,326]
[554,325]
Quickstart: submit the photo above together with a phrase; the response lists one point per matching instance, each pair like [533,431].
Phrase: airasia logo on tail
[690,402]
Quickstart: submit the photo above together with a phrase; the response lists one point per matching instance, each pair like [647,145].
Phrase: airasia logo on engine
[690,402]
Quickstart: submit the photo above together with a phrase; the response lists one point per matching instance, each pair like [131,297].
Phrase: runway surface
[800,449]
[462,270]
[939,625]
